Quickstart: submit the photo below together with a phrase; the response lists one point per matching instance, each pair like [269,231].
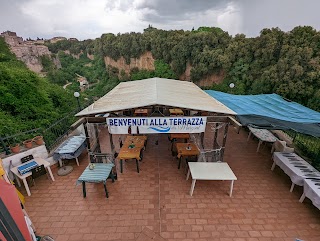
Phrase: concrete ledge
[39,151]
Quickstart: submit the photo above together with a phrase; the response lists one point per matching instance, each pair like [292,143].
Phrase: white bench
[283,137]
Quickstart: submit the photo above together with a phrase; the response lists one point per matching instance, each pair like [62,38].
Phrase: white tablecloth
[295,167]
[70,148]
[311,189]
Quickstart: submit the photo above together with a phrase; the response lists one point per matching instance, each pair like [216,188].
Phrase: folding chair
[27,158]
[38,171]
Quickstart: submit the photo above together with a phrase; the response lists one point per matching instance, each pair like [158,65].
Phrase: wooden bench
[283,137]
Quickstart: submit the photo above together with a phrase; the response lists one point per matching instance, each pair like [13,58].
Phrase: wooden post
[202,138]
[87,135]
[215,143]
[111,143]
[97,149]
[224,140]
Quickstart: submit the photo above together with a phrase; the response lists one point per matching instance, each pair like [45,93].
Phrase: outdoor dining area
[166,167]
[157,200]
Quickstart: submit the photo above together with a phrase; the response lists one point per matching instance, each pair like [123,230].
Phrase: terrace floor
[155,204]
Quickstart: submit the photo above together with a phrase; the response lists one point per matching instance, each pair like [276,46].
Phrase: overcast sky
[85,19]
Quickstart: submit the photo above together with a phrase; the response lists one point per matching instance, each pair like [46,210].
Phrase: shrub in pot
[28,143]
[38,140]
[15,148]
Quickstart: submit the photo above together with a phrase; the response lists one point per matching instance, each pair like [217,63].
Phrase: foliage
[26,100]
[47,63]
[286,63]
[162,70]
[74,47]
[310,146]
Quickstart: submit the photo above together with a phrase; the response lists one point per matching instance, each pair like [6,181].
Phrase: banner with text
[148,125]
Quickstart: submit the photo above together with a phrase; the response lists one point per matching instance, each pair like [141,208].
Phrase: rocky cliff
[146,61]
[27,51]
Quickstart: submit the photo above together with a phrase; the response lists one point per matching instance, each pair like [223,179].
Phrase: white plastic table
[23,177]
[210,171]
[263,135]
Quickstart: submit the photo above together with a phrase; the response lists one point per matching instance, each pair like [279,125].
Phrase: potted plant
[28,143]
[38,140]
[15,148]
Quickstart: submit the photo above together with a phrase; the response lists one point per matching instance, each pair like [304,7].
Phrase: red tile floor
[155,204]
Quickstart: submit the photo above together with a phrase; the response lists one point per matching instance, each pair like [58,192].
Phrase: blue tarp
[271,111]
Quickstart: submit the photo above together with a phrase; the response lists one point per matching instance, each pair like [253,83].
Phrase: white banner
[148,125]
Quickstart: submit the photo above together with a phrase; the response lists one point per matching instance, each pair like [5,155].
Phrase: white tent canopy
[155,92]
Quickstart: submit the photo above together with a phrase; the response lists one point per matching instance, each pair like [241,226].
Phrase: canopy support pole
[98,149]
[225,134]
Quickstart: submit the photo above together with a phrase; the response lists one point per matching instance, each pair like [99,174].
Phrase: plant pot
[28,143]
[38,140]
[15,148]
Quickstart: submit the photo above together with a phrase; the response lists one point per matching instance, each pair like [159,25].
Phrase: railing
[52,135]
[6,141]
[55,133]
[310,147]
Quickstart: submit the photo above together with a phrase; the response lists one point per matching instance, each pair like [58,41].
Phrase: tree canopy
[27,101]
[286,63]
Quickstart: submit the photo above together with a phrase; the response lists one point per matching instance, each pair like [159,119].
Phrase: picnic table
[262,134]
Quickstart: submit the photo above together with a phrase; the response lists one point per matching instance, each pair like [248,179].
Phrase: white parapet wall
[38,151]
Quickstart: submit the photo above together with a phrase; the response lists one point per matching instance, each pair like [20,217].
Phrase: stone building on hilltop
[57,39]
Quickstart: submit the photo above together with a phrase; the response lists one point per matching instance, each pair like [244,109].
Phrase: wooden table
[176,112]
[140,141]
[184,136]
[175,137]
[183,150]
[210,171]
[141,112]
[126,153]
[99,173]
[23,177]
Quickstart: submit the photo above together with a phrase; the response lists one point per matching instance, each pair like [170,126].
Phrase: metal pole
[79,106]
